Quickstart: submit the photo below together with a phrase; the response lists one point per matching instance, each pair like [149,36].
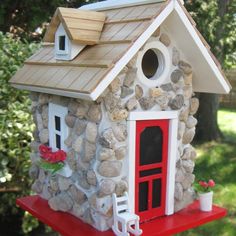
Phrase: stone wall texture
[97,142]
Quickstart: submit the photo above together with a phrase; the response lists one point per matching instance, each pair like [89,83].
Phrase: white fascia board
[113,4]
[53,91]
[201,47]
[153,115]
[132,51]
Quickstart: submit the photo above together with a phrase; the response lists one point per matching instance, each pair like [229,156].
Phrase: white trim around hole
[163,68]
[172,116]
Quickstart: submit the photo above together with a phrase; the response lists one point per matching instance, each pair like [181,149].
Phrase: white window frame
[172,116]
[61,32]
[61,112]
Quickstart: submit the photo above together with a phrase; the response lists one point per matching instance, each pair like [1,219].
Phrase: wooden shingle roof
[125,31]
[81,26]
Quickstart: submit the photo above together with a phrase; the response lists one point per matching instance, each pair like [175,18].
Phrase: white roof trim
[112,4]
[132,51]
[201,47]
[53,91]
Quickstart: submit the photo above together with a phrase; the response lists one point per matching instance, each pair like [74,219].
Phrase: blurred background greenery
[22,26]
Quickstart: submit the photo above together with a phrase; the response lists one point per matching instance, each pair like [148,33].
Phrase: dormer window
[62,43]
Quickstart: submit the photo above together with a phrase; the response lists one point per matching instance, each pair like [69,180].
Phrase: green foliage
[15,124]
[217,22]
[51,167]
[218,161]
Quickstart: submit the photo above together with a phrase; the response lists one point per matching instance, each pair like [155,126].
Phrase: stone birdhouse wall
[97,142]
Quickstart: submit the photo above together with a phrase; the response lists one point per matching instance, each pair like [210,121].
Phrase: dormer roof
[81,26]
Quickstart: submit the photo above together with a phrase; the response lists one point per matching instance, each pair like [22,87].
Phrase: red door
[151,168]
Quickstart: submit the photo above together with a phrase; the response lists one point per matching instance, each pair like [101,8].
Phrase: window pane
[58,123]
[151,146]
[58,141]
[143,196]
[62,42]
[150,172]
[156,193]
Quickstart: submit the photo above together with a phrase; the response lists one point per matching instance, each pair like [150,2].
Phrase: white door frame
[172,116]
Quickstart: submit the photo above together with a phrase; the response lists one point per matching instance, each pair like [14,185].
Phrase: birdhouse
[113,99]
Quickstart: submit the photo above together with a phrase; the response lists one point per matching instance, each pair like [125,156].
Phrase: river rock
[126,91]
[155,92]
[94,113]
[107,187]
[177,102]
[91,132]
[80,127]
[61,202]
[180,175]
[188,136]
[91,177]
[191,122]
[78,144]
[70,120]
[130,77]
[163,101]
[90,150]
[106,154]
[164,38]
[120,153]
[176,75]
[121,187]
[175,56]
[110,168]
[64,183]
[77,195]
[138,91]
[44,136]
[43,98]
[167,87]
[34,172]
[107,138]
[112,102]
[146,103]
[181,129]
[118,115]
[82,110]
[188,181]
[131,104]
[34,145]
[73,106]
[194,105]
[183,116]
[115,85]
[179,192]
[120,132]
[37,187]
[185,67]
[188,165]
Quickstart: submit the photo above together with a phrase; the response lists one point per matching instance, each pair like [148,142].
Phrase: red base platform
[68,225]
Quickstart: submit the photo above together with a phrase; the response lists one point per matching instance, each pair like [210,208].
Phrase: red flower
[211,183]
[52,157]
[44,149]
[203,184]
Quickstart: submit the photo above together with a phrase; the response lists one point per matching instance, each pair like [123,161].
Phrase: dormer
[71,30]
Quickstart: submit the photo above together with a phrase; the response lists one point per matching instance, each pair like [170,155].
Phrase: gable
[125,31]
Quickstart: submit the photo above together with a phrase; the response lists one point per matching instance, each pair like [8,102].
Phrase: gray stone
[82,166]
[181,129]
[176,75]
[167,87]
[43,136]
[37,187]
[188,136]
[33,106]
[120,153]
[87,218]
[42,176]
[191,122]
[175,56]
[79,210]
[80,127]
[110,168]
[179,176]
[138,91]
[45,115]
[70,120]
[131,104]
[112,102]
[64,183]
[89,151]
[39,122]
[91,177]
[185,67]
[146,103]
[188,180]
[53,183]
[82,109]
[177,102]
[78,143]
[187,91]
[183,116]
[107,138]
[104,206]
[130,77]
[187,153]
[34,145]
[155,92]
[121,187]
[69,140]
[107,187]
[194,105]
[188,165]
[82,179]
[94,113]
[118,115]
[164,38]
[34,172]
[188,79]
[73,106]
[115,85]
[43,98]
[71,160]
[179,192]
[77,195]
[162,101]
[91,132]
[193,154]
[34,96]
[61,202]
[188,198]
[46,194]
[125,91]
[120,132]
[106,154]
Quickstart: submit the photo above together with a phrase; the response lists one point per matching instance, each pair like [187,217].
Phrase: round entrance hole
[152,64]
